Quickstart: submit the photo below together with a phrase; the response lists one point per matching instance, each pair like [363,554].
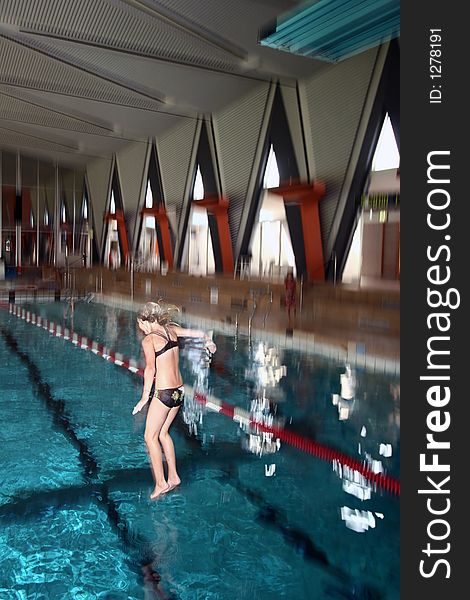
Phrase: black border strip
[434,111]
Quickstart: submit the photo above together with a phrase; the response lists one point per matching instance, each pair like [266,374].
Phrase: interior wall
[175,151]
[324,115]
[381,247]
[391,245]
[71,190]
[239,132]
[99,181]
[372,244]
[47,183]
[291,100]
[132,168]
[333,104]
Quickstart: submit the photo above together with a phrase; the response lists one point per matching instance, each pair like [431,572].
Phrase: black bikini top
[169,344]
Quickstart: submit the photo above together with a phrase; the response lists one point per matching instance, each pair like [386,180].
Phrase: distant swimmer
[163,387]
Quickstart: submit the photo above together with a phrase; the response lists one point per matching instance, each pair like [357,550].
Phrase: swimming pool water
[252,519]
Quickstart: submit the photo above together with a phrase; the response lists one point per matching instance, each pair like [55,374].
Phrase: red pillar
[163,222]
[218,207]
[308,196]
[122,232]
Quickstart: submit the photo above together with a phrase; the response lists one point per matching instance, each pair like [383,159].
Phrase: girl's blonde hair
[157,312]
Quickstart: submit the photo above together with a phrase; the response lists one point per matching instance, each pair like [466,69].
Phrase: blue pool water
[253,519]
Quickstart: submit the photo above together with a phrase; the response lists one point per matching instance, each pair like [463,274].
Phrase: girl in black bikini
[164,385]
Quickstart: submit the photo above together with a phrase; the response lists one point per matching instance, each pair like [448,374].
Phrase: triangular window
[149,220]
[148,196]
[271,175]
[112,204]
[151,245]
[198,193]
[199,228]
[386,154]
[116,247]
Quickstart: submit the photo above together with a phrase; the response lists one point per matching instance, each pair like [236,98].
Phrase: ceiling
[80,79]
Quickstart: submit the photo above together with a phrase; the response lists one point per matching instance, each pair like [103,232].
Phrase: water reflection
[345,400]
[263,374]
[265,371]
[373,452]
[199,360]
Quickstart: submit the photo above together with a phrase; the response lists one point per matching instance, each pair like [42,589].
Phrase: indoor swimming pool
[255,518]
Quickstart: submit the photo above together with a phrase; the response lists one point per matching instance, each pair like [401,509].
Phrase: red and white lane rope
[386,482]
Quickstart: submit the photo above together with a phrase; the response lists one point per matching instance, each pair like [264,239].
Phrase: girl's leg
[156,417]
[169,449]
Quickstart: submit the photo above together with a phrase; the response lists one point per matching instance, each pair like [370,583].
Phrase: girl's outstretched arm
[196,333]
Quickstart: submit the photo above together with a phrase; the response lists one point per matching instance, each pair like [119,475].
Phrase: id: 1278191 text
[435,65]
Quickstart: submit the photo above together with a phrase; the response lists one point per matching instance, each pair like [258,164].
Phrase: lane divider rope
[382,480]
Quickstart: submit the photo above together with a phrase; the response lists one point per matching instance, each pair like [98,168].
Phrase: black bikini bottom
[171,397]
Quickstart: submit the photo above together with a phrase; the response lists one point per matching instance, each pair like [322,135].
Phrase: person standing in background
[290,289]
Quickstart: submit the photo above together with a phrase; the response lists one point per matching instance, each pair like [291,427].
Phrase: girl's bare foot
[172,483]
[158,491]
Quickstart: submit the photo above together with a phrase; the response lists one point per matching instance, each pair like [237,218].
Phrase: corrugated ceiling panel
[119,25]
[223,17]
[98,176]
[173,44]
[14,108]
[13,138]
[174,152]
[43,73]
[131,166]
[237,131]
[335,100]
